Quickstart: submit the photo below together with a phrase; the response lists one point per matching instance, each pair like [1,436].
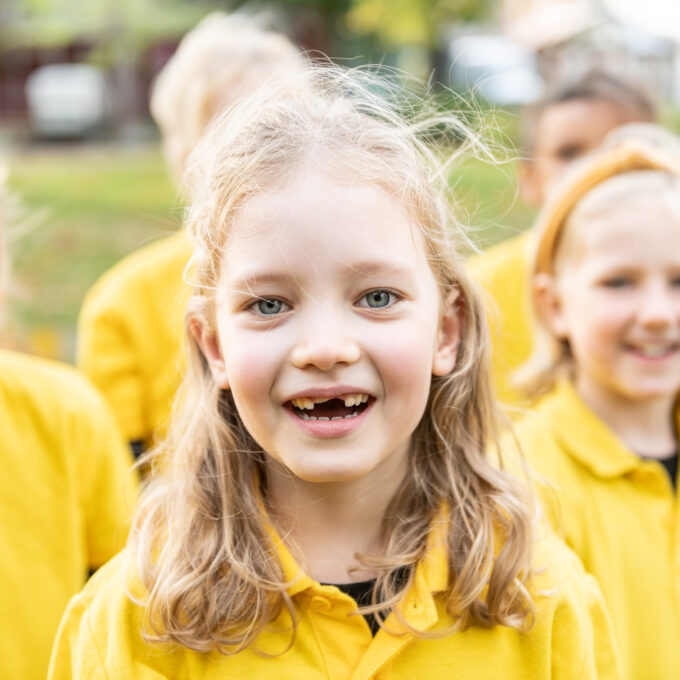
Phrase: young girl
[323,507]
[572,120]
[607,293]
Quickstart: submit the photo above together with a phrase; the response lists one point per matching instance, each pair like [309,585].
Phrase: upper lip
[328,392]
[658,342]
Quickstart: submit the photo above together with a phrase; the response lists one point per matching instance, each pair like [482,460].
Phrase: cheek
[251,361]
[405,359]
[597,328]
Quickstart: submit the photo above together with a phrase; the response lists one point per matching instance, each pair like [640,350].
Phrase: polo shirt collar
[584,435]
[431,576]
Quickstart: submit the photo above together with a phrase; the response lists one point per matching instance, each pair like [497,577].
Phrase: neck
[645,425]
[328,523]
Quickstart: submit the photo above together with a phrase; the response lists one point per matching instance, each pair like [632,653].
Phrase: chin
[653,392]
[329,475]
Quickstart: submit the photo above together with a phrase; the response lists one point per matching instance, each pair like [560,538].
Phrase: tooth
[303,403]
[355,399]
[320,400]
[323,418]
[336,418]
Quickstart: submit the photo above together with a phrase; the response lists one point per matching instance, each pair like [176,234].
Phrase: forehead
[578,122]
[316,222]
[641,230]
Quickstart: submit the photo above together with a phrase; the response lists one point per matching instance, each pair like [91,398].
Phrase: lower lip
[329,429]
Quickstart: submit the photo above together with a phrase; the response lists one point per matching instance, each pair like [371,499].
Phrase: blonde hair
[200,538]
[224,58]
[635,162]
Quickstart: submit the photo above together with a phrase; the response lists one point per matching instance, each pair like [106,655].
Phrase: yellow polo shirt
[503,273]
[100,634]
[621,516]
[130,336]
[66,496]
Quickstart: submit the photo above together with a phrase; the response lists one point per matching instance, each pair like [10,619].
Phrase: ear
[529,184]
[548,304]
[207,339]
[448,334]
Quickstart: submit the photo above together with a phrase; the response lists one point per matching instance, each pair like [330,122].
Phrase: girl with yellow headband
[606,292]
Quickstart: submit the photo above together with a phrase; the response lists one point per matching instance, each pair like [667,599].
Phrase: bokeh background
[86,171]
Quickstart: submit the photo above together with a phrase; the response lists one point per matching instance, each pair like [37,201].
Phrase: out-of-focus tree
[45,22]
[400,23]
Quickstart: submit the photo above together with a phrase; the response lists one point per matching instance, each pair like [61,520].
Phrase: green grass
[89,206]
[83,209]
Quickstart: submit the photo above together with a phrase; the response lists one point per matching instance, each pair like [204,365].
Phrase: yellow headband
[627,156]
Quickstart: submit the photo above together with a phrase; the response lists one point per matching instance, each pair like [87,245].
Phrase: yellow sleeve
[503,273]
[107,354]
[108,485]
[583,638]
[75,655]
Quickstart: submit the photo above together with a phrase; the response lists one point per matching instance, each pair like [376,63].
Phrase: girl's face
[618,301]
[329,326]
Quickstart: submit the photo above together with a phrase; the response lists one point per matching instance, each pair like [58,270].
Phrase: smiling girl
[607,294]
[324,507]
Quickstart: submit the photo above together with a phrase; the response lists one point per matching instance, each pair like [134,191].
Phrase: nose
[659,306]
[325,340]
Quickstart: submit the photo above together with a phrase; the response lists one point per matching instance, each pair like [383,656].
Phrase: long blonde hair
[200,539]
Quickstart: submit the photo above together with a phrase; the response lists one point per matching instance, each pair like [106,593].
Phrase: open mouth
[654,351]
[335,408]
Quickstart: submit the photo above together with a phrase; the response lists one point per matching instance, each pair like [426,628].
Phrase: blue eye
[269,306]
[377,299]
[617,282]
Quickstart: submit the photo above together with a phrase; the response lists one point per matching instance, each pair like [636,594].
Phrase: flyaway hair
[201,544]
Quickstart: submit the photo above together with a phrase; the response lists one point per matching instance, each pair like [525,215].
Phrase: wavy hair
[200,541]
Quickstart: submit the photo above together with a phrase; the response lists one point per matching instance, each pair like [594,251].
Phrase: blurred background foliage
[88,200]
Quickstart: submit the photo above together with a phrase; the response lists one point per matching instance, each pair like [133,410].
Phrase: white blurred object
[659,17]
[537,24]
[66,100]
[495,68]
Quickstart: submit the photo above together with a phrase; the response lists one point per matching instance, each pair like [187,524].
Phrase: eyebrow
[365,268]
[380,267]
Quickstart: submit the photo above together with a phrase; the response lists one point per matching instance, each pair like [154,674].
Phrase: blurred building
[570,36]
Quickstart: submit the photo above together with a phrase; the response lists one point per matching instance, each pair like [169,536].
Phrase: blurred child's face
[618,301]
[329,327]
[565,132]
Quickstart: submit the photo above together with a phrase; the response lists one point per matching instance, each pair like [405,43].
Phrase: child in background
[607,295]
[66,497]
[323,506]
[559,130]
[130,325]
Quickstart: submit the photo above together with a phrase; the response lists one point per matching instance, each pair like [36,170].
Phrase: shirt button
[321,604]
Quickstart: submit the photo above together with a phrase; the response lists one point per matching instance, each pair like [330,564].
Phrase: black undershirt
[671,465]
[137,446]
[361,593]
